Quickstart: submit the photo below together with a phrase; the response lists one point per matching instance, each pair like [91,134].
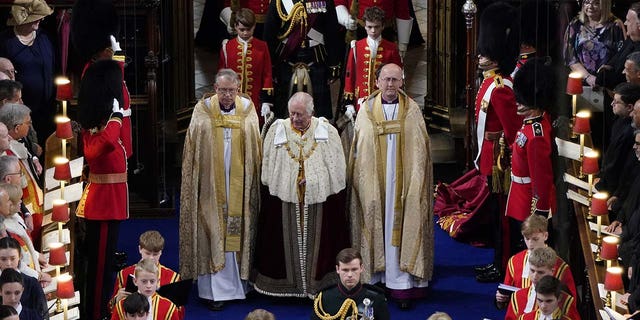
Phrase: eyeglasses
[593,3]
[9,72]
[226,90]
[15,173]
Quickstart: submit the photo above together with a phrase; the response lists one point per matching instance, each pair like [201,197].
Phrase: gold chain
[298,14]
[342,313]
[303,156]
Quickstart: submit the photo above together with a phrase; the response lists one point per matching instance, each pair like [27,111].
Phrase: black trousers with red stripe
[101,239]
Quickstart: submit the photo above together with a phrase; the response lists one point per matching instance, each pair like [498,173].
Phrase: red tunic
[361,67]
[166,276]
[392,8]
[254,68]
[531,160]
[501,116]
[104,153]
[520,298]
[259,8]
[536,315]
[513,275]
[161,307]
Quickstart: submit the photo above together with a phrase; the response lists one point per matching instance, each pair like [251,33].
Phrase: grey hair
[13,114]
[303,98]
[227,74]
[7,165]
[635,58]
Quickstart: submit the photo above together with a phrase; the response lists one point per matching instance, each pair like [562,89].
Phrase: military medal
[521,139]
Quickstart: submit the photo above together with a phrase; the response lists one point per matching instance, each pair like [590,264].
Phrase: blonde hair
[543,257]
[439,316]
[146,265]
[260,314]
[605,12]
[14,192]
[151,240]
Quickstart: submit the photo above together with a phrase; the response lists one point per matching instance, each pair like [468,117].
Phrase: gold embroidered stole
[383,128]
[232,209]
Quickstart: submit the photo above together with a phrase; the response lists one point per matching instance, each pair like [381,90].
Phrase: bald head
[7,71]
[389,81]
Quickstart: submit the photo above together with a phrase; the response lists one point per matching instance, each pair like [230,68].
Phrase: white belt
[520,180]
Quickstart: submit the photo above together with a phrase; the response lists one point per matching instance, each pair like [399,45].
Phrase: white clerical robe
[226,284]
[392,276]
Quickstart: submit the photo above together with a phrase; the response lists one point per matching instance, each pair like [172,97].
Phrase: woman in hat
[33,56]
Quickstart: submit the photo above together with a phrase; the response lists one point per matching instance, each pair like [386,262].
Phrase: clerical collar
[349,292]
[531,120]
[394,101]
[231,107]
[489,73]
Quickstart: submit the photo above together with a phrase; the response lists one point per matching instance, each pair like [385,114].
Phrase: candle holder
[590,167]
[62,171]
[599,209]
[574,88]
[64,92]
[612,283]
[64,291]
[609,249]
[581,126]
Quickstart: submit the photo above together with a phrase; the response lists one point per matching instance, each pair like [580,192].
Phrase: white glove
[344,18]
[115,45]
[225,17]
[116,106]
[402,50]
[266,109]
[350,112]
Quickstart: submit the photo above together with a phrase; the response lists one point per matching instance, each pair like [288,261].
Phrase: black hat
[495,40]
[534,84]
[101,83]
[533,23]
[92,24]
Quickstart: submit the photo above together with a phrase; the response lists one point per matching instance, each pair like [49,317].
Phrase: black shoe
[482,269]
[491,275]
[404,304]
[213,305]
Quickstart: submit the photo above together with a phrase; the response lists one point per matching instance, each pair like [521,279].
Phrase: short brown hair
[244,16]
[535,223]
[151,240]
[347,255]
[260,314]
[373,14]
[543,257]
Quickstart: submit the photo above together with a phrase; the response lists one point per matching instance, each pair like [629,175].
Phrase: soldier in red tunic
[496,118]
[250,58]
[359,79]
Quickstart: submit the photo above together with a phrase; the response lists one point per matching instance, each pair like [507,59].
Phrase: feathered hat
[496,40]
[101,83]
[93,24]
[534,84]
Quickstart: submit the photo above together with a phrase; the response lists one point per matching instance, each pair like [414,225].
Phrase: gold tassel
[507,180]
[496,181]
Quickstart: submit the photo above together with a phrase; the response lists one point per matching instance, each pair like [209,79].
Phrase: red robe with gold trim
[161,307]
[166,276]
[105,154]
[520,298]
[254,67]
[360,72]
[501,116]
[259,8]
[537,315]
[531,159]
[392,8]
[513,274]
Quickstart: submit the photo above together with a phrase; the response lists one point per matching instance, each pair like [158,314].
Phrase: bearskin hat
[496,40]
[533,24]
[92,24]
[534,84]
[102,82]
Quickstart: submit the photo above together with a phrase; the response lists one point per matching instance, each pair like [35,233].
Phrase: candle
[63,128]
[64,90]
[60,211]
[62,169]
[590,163]
[609,249]
[64,288]
[574,83]
[57,255]
[599,204]
[581,123]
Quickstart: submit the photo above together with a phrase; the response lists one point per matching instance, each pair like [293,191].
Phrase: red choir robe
[161,307]
[520,298]
[513,274]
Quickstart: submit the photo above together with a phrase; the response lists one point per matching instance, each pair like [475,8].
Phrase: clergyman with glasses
[220,192]
[391,190]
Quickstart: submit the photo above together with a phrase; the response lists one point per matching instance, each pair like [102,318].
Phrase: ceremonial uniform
[524,301]
[532,189]
[329,302]
[517,273]
[360,72]
[305,51]
[252,61]
[160,308]
[166,276]
[495,115]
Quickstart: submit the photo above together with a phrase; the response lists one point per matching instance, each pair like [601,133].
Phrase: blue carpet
[453,289]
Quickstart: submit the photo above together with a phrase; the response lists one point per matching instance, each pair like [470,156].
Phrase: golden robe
[413,225]
[210,225]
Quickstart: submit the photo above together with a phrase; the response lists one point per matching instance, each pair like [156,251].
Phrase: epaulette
[498,81]
[537,129]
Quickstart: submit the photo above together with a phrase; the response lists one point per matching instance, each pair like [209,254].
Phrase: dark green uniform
[334,296]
